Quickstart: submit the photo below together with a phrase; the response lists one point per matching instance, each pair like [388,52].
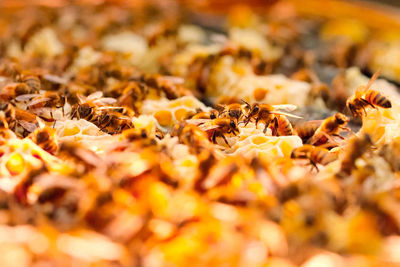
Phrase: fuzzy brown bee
[32,81]
[316,155]
[266,113]
[282,126]
[213,114]
[234,110]
[19,117]
[307,129]
[365,97]
[331,126]
[45,137]
[217,127]
[88,107]
[113,122]
[43,104]
[356,147]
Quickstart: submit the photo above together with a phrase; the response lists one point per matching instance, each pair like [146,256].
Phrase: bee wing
[41,122]
[125,118]
[43,112]
[39,100]
[208,127]
[287,107]
[197,121]
[81,98]
[106,100]
[55,79]
[108,107]
[26,97]
[286,114]
[174,79]
[373,79]
[219,38]
[363,88]
[310,123]
[29,126]
[95,95]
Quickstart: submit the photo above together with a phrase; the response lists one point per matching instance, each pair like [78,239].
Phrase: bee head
[341,118]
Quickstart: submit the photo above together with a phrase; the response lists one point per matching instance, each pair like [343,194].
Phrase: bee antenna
[244,102]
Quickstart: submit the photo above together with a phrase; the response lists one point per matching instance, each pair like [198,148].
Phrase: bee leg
[275,127]
[247,120]
[226,141]
[265,128]
[314,165]
[367,103]
[257,122]
[338,135]
[214,136]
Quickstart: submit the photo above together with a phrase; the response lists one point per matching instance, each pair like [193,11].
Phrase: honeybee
[307,129]
[212,114]
[88,107]
[192,136]
[12,90]
[113,122]
[318,88]
[45,137]
[80,154]
[331,126]
[364,97]
[316,155]
[282,126]
[171,86]
[19,117]
[217,127]
[234,110]
[134,134]
[32,81]
[266,113]
[5,132]
[131,93]
[40,103]
[356,147]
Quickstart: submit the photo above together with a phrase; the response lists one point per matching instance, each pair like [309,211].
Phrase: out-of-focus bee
[171,86]
[356,147]
[266,113]
[212,114]
[191,135]
[131,93]
[45,137]
[318,88]
[41,104]
[12,90]
[316,155]
[16,116]
[364,97]
[282,126]
[32,81]
[88,107]
[331,126]
[217,127]
[5,132]
[113,122]
[307,129]
[79,154]
[219,174]
[134,134]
